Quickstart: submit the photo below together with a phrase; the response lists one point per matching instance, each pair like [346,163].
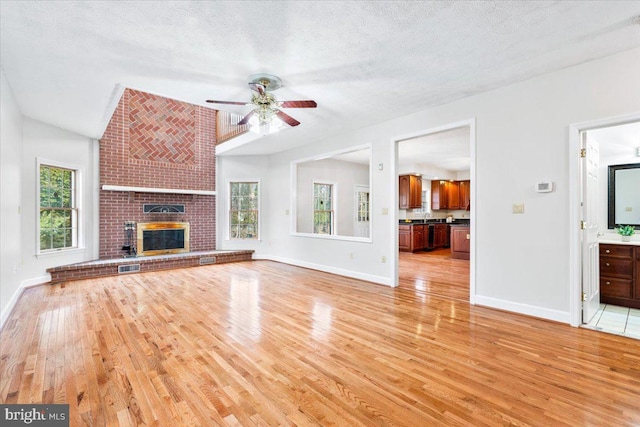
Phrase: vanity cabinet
[620,275]
[410,191]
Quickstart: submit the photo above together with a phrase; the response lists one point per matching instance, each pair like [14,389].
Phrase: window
[244,209]
[323,208]
[58,222]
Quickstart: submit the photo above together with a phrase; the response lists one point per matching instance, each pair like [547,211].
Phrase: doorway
[613,141]
[438,160]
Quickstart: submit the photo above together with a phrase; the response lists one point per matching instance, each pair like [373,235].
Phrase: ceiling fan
[266,106]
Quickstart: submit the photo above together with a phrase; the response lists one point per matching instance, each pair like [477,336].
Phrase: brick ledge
[109,267]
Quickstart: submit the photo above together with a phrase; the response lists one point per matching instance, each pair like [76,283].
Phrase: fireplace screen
[156,238]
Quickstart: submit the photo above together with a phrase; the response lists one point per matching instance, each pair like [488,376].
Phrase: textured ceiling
[362,61]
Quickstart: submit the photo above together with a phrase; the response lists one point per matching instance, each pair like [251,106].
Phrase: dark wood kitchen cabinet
[460,242]
[418,237]
[620,275]
[465,194]
[412,237]
[445,195]
[453,194]
[404,238]
[438,195]
[410,191]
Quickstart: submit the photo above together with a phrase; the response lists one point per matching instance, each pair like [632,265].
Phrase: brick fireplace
[157,151]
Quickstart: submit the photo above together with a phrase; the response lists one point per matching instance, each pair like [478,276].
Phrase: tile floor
[616,320]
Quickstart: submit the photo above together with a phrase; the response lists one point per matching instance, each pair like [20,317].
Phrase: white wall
[245,168]
[10,198]
[23,141]
[54,144]
[522,260]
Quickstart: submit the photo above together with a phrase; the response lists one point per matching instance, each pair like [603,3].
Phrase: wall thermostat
[544,187]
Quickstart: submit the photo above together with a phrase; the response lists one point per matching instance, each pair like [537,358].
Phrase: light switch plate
[518,208]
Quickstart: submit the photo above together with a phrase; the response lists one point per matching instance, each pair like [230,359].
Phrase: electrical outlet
[385,211]
[286,211]
[384,259]
[351,255]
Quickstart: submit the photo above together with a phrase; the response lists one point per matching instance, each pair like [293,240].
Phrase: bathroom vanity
[620,274]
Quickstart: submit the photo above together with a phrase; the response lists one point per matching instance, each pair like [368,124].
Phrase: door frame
[471,123]
[575,210]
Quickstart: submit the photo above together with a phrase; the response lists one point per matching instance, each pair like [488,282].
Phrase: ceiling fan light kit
[267,115]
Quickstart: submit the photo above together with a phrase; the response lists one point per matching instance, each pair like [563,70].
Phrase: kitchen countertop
[435,221]
[619,242]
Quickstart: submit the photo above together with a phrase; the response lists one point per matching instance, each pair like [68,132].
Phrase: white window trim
[334,203]
[228,208]
[78,188]
[293,200]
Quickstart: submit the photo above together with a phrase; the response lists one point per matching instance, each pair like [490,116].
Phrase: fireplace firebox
[158,238]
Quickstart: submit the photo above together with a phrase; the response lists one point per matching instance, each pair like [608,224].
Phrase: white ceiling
[449,150]
[362,61]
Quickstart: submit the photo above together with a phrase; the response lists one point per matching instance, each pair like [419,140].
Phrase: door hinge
[583,152]
[583,225]
[584,297]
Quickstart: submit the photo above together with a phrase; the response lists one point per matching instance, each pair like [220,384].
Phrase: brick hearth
[109,267]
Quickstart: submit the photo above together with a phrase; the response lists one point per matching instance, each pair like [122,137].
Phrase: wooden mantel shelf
[126,188]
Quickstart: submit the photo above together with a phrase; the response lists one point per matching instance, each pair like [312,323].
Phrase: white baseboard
[328,269]
[530,310]
[35,281]
[25,284]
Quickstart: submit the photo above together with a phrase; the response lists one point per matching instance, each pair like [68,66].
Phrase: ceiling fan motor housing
[269,81]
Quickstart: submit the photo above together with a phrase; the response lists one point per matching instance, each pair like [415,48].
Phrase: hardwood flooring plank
[267,344]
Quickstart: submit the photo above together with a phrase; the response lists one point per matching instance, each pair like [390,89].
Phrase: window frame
[258,236]
[295,198]
[77,231]
[334,206]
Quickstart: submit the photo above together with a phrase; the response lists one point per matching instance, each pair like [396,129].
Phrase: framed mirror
[624,195]
[332,195]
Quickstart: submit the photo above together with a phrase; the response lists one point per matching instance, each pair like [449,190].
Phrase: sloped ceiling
[362,61]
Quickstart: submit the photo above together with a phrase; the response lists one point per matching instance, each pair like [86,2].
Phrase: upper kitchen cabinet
[410,189]
[465,194]
[445,195]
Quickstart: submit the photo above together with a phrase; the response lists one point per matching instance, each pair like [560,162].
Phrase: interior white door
[590,246]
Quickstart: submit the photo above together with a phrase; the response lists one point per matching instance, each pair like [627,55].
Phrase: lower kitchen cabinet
[460,242]
[620,275]
[404,238]
[412,237]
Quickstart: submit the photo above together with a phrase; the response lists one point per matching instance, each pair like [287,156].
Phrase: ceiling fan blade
[257,87]
[299,104]
[287,118]
[246,118]
[227,102]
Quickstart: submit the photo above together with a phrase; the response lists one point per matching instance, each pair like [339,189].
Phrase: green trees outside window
[244,209]
[58,210]
[322,208]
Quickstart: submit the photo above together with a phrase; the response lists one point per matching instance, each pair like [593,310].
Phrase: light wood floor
[263,343]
